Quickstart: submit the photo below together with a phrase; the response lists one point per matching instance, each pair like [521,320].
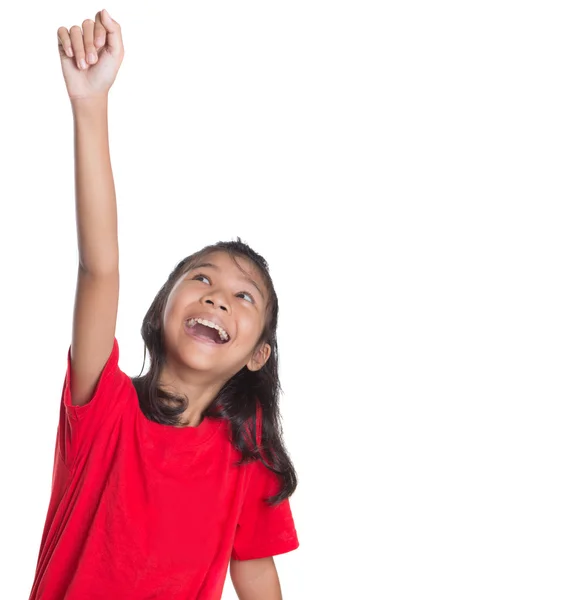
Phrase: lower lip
[204,340]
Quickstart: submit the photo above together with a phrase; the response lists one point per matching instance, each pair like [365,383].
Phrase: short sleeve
[78,424]
[263,530]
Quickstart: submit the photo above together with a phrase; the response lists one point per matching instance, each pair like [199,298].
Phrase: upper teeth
[221,330]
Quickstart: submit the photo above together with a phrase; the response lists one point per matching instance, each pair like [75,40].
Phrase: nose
[216,299]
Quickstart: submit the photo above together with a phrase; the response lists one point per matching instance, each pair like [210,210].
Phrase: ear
[259,358]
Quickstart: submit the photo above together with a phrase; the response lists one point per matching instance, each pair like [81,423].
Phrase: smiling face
[235,299]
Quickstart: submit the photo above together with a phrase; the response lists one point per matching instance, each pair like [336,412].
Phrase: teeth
[223,334]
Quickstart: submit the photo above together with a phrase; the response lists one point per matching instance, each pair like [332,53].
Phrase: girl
[163,480]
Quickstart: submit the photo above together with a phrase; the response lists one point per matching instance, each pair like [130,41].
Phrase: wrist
[89,104]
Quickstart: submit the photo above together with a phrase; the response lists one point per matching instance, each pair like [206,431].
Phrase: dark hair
[242,397]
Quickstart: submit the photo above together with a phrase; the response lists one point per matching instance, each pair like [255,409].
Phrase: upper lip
[211,318]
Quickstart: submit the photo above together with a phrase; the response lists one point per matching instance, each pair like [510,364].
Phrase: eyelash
[246,293]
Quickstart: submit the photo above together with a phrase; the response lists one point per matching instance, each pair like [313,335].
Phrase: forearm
[256,579]
[95,201]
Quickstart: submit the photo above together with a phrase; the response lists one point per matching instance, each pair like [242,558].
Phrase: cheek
[252,327]
[171,310]
[177,305]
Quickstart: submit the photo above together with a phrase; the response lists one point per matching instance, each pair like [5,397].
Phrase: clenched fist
[90,59]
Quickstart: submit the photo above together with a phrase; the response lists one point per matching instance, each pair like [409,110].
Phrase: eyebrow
[213,266]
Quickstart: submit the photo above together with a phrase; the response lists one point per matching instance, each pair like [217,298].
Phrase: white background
[403,167]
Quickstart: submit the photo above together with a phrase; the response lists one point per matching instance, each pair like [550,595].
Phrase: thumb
[113,29]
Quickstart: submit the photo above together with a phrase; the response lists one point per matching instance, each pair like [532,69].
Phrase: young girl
[162,481]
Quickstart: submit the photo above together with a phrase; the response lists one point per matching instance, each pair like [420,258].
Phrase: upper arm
[94,323]
[255,579]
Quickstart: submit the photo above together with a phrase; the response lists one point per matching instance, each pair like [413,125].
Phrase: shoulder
[111,385]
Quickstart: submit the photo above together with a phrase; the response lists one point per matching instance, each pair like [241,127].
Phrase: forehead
[225,261]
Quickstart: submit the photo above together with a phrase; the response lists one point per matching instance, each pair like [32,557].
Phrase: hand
[90,60]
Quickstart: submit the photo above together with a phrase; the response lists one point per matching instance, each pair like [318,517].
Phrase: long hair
[243,398]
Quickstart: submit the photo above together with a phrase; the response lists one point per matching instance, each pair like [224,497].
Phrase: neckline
[189,436]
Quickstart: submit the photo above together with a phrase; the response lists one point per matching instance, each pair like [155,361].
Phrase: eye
[200,275]
[248,295]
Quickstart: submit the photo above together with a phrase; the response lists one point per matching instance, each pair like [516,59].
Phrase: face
[218,291]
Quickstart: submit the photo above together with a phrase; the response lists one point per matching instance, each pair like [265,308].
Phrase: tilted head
[226,291]
[227,284]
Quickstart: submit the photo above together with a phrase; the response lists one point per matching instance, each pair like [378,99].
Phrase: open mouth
[206,331]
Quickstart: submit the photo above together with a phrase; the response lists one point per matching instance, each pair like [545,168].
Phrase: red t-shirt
[140,510]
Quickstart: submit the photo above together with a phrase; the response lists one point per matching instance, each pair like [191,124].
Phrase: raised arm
[90,59]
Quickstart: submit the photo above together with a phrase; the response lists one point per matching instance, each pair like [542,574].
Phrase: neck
[197,387]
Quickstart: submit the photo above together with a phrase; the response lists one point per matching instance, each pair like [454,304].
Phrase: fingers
[114,35]
[100,33]
[90,51]
[64,42]
[76,36]
[84,44]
